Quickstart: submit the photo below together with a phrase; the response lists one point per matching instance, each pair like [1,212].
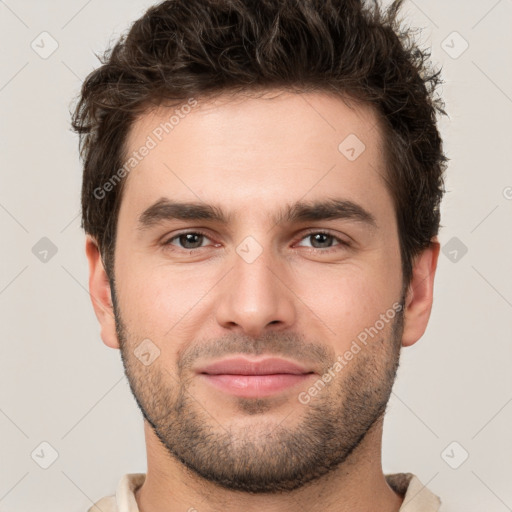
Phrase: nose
[255,297]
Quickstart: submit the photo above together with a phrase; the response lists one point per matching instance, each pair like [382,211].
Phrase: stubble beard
[265,455]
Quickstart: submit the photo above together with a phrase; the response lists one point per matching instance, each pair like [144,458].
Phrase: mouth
[254,379]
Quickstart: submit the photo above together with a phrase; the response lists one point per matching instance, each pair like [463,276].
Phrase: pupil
[315,237]
[188,238]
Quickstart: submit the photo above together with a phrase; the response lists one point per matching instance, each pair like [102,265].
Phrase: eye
[188,240]
[322,241]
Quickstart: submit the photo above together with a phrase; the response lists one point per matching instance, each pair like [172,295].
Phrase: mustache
[288,345]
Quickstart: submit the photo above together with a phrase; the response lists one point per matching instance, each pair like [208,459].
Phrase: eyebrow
[328,209]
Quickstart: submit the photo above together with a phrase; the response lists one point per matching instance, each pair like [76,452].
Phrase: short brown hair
[198,48]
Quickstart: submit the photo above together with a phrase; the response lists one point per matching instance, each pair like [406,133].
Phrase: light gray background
[59,384]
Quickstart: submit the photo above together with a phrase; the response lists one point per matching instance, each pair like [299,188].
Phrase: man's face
[259,286]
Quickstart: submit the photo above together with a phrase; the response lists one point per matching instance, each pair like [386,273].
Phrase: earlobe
[419,297]
[100,293]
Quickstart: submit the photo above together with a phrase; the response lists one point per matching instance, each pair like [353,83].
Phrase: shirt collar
[417,498]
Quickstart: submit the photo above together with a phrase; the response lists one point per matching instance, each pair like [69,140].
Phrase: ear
[99,291]
[419,297]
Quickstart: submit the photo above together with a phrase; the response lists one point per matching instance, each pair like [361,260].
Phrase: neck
[357,485]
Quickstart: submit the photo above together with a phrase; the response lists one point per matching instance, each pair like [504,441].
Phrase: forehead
[256,153]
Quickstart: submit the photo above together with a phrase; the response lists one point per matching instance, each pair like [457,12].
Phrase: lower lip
[255,386]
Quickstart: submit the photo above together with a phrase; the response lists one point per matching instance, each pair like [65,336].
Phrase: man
[261,197]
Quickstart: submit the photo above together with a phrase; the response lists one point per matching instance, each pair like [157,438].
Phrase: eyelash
[329,250]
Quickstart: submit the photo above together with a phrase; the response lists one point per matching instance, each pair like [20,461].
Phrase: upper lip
[243,366]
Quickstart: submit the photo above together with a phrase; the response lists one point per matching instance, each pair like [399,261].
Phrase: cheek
[346,300]
[154,298]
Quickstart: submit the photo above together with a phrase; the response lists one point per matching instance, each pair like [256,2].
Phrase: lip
[254,378]
[243,366]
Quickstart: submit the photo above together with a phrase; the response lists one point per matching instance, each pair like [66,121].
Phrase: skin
[251,156]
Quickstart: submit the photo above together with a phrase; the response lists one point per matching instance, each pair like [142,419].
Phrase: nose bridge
[253,296]
[252,268]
